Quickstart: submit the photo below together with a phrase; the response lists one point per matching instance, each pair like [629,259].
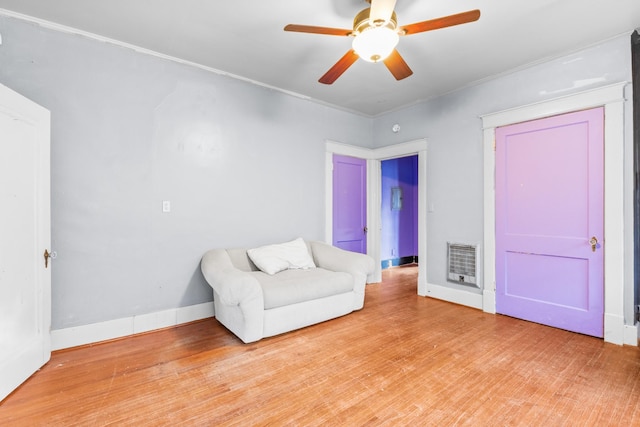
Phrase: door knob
[594,243]
[49,255]
[365,230]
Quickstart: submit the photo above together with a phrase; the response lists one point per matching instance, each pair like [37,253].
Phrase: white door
[25,282]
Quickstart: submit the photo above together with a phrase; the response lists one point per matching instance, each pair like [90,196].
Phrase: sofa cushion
[294,286]
[275,258]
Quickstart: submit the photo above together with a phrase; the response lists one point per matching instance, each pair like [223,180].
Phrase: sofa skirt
[295,316]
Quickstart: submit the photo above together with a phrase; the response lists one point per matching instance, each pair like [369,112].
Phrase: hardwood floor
[402,360]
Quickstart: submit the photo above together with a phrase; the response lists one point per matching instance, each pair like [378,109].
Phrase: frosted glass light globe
[375,43]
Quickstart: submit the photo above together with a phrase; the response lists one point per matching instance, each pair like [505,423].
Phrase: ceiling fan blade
[443,22]
[318,30]
[381,10]
[339,67]
[395,63]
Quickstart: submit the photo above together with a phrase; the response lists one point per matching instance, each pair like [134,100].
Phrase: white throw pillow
[275,258]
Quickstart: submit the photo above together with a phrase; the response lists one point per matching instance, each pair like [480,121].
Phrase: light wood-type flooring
[402,360]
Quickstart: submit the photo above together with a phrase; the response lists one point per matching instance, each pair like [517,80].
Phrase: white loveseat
[254,304]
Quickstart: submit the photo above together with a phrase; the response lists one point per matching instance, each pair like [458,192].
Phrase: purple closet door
[549,214]
[350,203]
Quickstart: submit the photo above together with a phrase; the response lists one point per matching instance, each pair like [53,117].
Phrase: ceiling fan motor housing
[361,22]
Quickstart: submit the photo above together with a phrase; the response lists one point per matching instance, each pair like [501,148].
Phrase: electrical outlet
[166,206]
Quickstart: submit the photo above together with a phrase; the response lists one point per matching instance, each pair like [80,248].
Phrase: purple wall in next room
[399,227]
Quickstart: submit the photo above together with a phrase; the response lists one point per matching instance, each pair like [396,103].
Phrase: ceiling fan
[376,34]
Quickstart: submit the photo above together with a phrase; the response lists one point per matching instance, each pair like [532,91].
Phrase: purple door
[350,203]
[549,221]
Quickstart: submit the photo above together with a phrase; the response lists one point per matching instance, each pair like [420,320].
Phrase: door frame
[374,158]
[618,215]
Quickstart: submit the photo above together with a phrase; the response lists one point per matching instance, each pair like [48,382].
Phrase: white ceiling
[245,38]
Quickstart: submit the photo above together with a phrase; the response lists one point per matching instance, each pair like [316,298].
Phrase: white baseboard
[615,332]
[454,295]
[614,329]
[96,332]
[117,328]
[375,277]
[631,335]
[489,301]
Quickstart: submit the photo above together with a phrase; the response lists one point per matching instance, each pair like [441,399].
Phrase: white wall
[241,165]
[452,125]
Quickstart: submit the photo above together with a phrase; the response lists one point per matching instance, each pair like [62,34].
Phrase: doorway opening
[399,212]
[374,158]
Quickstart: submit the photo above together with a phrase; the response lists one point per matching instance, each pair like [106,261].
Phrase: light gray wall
[242,166]
[453,128]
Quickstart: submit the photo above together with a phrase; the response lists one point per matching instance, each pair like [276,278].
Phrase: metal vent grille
[463,260]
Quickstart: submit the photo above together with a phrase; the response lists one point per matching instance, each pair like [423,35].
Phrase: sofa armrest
[234,286]
[336,259]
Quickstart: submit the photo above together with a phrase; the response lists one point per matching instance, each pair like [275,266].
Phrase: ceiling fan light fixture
[376,35]
[374,44]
